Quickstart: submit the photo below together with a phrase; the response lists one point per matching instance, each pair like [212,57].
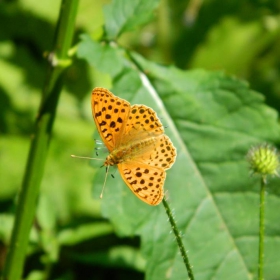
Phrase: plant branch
[40,140]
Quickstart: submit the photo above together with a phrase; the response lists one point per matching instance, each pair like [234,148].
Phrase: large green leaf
[103,57]
[122,15]
[213,120]
[219,118]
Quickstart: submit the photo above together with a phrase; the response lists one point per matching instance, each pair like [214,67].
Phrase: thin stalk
[178,239]
[261,230]
[40,141]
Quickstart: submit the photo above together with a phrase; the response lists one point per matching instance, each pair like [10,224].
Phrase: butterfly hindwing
[142,123]
[145,182]
[161,153]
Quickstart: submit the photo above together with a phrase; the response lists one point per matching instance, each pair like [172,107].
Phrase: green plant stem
[178,239]
[261,230]
[40,140]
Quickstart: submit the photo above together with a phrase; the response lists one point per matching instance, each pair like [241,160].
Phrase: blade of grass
[40,140]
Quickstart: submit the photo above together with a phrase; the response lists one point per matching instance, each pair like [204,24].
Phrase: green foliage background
[212,117]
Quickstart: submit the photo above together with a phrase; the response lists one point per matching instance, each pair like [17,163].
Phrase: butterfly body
[137,144]
[129,151]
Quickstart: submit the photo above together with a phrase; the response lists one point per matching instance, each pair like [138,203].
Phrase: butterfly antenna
[107,171]
[73,156]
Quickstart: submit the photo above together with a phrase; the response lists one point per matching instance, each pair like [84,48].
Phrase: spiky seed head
[263,159]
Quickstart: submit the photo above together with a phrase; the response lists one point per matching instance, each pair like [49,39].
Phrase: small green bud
[263,160]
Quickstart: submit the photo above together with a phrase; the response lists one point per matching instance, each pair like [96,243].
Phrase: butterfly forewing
[142,123]
[146,182]
[110,114]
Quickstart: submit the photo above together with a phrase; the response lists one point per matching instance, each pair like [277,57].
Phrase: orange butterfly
[137,144]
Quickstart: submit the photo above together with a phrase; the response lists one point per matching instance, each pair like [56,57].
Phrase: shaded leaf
[77,235]
[122,16]
[118,256]
[103,57]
